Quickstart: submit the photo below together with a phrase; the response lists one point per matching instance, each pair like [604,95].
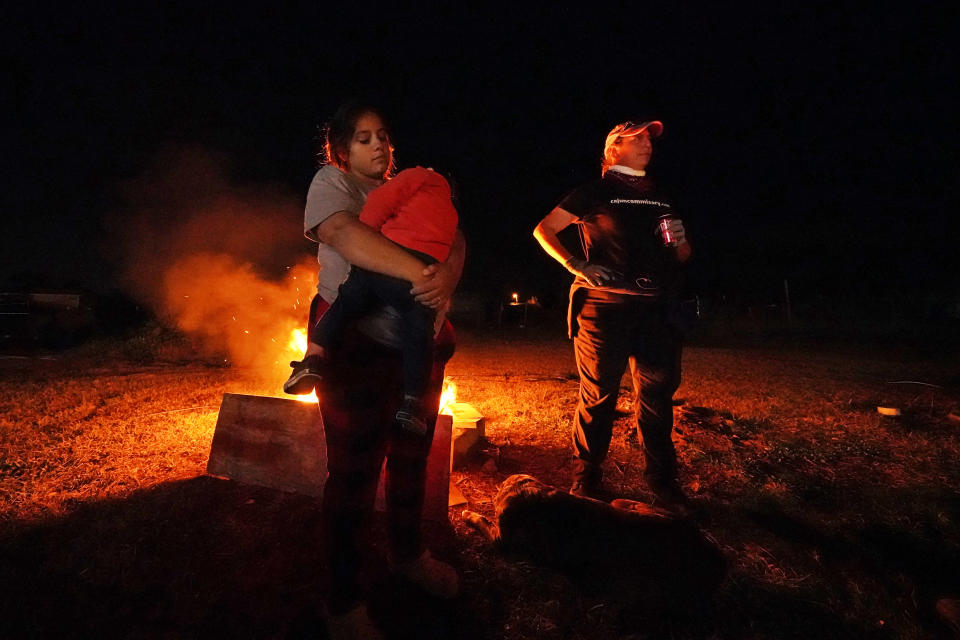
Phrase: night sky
[805,141]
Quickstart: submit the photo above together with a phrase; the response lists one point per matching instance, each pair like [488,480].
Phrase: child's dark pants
[365,290]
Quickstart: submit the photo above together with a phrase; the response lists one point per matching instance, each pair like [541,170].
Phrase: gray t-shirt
[331,191]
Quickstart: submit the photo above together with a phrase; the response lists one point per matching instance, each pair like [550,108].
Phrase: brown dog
[625,546]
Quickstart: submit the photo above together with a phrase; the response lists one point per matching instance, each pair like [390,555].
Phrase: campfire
[448,397]
[298,344]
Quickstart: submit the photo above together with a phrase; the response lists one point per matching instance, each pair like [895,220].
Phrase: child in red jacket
[414,210]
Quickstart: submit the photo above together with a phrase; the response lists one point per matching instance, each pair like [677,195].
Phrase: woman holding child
[359,372]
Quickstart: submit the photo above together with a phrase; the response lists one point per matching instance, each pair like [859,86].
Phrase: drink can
[665,233]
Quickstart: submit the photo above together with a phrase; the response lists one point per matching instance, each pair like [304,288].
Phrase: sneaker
[436,577]
[408,416]
[355,624]
[305,376]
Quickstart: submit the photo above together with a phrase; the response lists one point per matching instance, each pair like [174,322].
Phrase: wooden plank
[270,442]
[279,443]
[437,496]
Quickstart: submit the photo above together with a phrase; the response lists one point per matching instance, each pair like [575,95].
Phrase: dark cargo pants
[609,332]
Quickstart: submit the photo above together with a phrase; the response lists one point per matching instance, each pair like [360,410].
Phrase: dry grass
[836,521]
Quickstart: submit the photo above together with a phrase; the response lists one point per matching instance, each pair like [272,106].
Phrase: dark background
[814,142]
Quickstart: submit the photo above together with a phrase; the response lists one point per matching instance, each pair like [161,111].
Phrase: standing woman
[361,400]
[620,304]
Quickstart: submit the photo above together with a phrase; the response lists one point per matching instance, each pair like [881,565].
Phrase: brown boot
[667,493]
[436,577]
[587,478]
[585,488]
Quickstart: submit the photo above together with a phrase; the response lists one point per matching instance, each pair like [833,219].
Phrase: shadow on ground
[195,558]
[206,558]
[915,554]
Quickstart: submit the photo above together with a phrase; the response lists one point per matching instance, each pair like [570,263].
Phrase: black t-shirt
[618,216]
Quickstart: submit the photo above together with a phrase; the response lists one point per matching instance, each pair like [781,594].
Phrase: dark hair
[340,129]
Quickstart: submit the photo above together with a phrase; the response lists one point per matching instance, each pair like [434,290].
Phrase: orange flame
[298,345]
[448,397]
[298,341]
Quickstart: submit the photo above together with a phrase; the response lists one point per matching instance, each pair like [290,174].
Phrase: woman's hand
[436,290]
[441,278]
[678,235]
[594,274]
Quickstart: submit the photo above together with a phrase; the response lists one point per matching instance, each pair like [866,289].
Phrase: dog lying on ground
[625,546]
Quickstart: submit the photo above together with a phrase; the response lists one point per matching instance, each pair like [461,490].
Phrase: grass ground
[836,521]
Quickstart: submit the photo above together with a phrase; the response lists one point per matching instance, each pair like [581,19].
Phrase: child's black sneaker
[409,416]
[305,376]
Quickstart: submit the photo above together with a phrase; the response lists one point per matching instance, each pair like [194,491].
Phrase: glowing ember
[298,345]
[448,397]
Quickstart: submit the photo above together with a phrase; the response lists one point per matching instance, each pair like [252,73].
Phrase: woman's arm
[546,234]
[360,245]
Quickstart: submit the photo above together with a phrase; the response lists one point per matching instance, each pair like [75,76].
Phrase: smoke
[229,307]
[226,263]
